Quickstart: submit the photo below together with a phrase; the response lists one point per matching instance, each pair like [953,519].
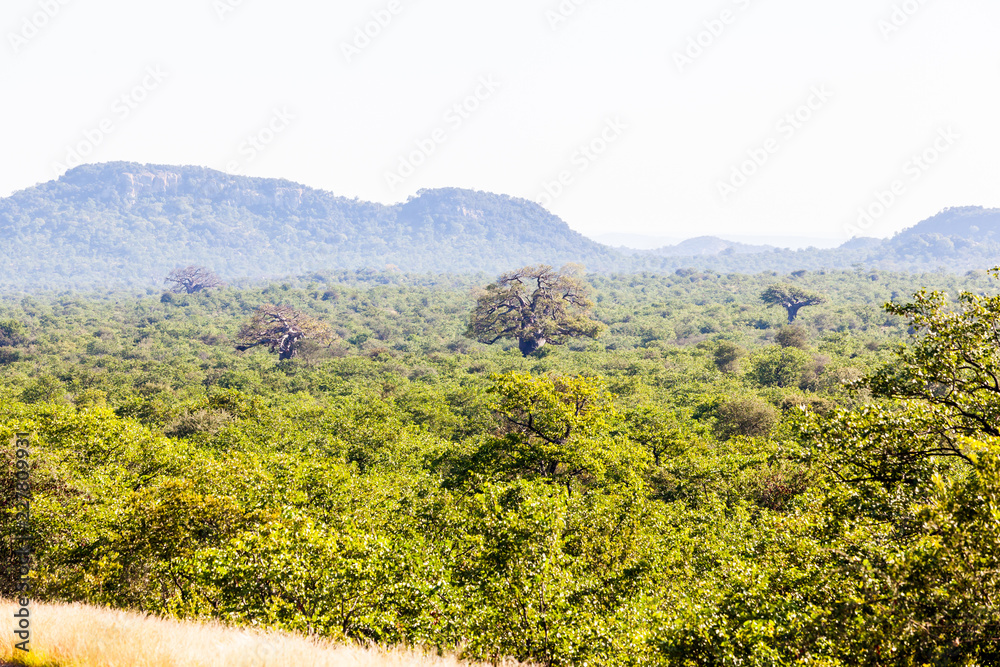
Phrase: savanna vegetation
[87,636]
[702,484]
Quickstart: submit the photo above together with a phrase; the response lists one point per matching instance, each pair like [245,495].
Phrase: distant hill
[710,245]
[630,242]
[956,240]
[969,222]
[127,224]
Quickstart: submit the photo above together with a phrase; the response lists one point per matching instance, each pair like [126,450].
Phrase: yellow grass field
[81,636]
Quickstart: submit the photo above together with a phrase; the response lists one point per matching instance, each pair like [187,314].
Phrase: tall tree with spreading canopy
[953,366]
[281,329]
[562,429]
[536,305]
[791,298]
[192,279]
[922,465]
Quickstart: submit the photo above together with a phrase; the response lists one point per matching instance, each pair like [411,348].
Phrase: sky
[741,118]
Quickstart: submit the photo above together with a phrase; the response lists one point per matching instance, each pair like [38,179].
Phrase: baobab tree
[791,298]
[193,279]
[281,329]
[535,305]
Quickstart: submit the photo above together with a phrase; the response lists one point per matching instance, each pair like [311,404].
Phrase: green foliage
[637,501]
[790,297]
[556,429]
[12,333]
[727,357]
[943,587]
[792,336]
[750,417]
[952,364]
[778,367]
[534,305]
[45,389]
[658,431]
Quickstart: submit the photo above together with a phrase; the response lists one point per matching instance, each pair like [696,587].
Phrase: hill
[955,240]
[967,222]
[126,224]
[710,245]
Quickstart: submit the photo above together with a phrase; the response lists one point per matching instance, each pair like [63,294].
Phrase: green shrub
[750,417]
[793,335]
[778,367]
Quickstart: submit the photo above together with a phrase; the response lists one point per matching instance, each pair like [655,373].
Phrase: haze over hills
[122,223]
[630,241]
[135,222]
[710,246]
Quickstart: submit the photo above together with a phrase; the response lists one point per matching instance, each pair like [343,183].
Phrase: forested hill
[126,224]
[955,240]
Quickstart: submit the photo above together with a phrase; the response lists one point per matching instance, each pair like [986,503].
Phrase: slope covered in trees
[125,224]
[130,224]
[957,239]
[701,485]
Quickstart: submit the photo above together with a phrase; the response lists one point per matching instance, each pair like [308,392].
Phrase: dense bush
[749,417]
[778,367]
[632,500]
[792,336]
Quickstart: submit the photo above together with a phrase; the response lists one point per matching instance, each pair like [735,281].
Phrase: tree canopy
[192,279]
[535,305]
[646,501]
[953,365]
[281,329]
[791,298]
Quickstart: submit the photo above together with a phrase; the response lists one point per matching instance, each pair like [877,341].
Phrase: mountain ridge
[126,223]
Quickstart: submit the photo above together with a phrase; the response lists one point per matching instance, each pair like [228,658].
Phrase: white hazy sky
[672,132]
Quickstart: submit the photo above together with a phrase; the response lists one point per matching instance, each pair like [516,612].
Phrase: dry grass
[80,636]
